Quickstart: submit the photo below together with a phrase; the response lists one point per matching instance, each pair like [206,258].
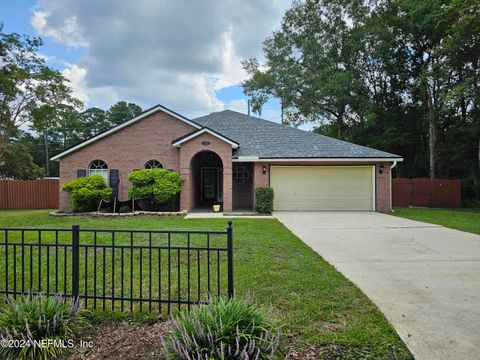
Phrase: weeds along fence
[125,270]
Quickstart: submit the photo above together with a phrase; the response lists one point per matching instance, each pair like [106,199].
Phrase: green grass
[315,303]
[460,219]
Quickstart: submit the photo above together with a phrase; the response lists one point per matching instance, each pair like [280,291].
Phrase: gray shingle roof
[266,139]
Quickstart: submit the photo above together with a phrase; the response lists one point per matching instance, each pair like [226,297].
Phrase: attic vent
[205,143]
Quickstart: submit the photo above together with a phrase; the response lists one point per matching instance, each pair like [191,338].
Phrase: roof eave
[123,125]
[316,159]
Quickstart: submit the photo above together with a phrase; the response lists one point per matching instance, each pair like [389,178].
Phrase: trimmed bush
[86,192]
[224,329]
[154,187]
[37,318]
[264,200]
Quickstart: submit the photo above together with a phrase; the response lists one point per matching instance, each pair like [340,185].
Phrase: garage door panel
[323,206]
[326,195]
[322,188]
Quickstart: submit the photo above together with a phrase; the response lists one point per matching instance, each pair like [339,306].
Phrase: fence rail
[118,269]
[426,192]
[29,194]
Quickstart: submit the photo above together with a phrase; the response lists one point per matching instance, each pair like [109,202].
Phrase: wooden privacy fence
[29,194]
[426,192]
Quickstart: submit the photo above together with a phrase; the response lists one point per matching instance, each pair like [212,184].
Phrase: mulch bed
[135,213]
[130,340]
[122,340]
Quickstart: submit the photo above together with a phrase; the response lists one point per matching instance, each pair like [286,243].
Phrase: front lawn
[316,304]
[459,219]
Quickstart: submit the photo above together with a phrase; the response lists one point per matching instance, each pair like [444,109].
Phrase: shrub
[152,187]
[124,209]
[264,200]
[86,192]
[224,329]
[36,318]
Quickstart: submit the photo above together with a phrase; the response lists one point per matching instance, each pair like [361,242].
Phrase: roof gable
[179,141]
[124,124]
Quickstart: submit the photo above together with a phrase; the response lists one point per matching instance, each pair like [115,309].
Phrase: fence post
[75,261]
[231,288]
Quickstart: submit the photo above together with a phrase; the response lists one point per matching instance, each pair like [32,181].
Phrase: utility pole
[248,106]
[281,115]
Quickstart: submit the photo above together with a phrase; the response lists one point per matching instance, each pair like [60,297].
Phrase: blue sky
[145,53]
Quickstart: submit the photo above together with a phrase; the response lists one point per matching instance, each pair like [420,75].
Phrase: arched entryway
[207,179]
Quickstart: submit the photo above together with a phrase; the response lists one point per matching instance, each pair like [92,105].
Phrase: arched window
[153,164]
[99,167]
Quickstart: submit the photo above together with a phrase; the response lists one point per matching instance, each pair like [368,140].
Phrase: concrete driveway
[424,278]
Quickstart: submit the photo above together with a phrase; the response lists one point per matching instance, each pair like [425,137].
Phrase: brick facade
[127,150]
[151,138]
[384,188]
[188,151]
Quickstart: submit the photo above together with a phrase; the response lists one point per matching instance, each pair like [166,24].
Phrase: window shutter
[114,181]
[81,173]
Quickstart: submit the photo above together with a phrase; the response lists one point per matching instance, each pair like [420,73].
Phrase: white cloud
[68,32]
[158,51]
[77,75]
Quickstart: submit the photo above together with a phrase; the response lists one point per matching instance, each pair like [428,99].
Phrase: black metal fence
[122,270]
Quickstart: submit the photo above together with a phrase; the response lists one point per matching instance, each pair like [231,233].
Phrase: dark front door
[209,185]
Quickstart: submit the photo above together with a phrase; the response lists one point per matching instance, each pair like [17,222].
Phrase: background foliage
[398,75]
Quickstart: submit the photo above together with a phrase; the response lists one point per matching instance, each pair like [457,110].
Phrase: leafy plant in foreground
[34,320]
[224,329]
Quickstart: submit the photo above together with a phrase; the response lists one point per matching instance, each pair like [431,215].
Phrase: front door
[209,185]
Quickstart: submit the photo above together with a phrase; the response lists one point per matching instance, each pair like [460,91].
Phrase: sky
[183,54]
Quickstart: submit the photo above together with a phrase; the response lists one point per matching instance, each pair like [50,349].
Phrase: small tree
[86,193]
[154,187]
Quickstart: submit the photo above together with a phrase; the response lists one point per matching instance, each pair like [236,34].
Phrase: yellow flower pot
[216,208]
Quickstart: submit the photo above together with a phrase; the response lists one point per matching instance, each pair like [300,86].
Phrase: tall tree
[93,121]
[310,65]
[122,111]
[27,85]
[398,75]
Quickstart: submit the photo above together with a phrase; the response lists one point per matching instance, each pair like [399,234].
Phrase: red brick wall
[383,181]
[188,150]
[127,150]
[384,188]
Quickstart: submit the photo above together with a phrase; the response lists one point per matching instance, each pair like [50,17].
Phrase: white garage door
[306,188]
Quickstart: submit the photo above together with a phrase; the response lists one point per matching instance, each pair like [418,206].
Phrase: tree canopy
[398,75]
[29,90]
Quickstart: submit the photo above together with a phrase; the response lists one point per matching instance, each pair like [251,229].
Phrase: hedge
[264,200]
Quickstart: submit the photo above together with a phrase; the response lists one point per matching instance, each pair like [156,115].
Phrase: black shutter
[114,180]
[81,173]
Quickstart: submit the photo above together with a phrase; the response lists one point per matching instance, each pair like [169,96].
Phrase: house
[224,156]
